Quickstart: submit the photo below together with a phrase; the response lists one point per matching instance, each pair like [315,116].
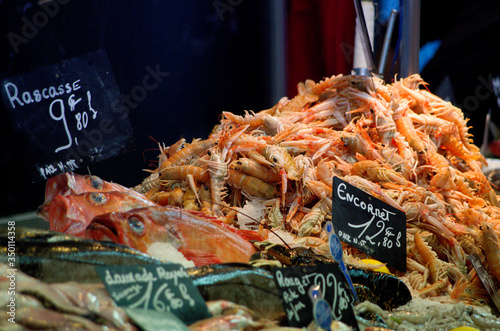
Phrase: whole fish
[68,306]
[55,257]
[72,213]
[70,183]
[194,234]
[241,284]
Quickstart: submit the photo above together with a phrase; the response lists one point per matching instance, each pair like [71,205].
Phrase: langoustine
[397,141]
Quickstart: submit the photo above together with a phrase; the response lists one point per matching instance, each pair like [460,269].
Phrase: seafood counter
[256,193]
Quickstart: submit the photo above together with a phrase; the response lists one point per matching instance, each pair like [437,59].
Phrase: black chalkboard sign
[293,284]
[160,288]
[68,113]
[369,224]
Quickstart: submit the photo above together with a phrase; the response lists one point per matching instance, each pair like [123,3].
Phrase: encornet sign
[369,224]
[65,114]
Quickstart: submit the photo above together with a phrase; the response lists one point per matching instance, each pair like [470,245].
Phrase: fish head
[70,183]
[69,214]
[137,228]
[72,213]
[66,184]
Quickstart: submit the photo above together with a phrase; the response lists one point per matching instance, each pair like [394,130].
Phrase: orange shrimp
[405,127]
[250,184]
[429,257]
[189,200]
[483,186]
[251,119]
[294,207]
[454,115]
[382,174]
[160,197]
[319,189]
[205,199]
[397,162]
[228,137]
[455,146]
[280,157]
[410,87]
[311,223]
[491,250]
[284,134]
[193,150]
[371,188]
[320,87]
[175,197]
[172,149]
[253,168]
[295,221]
[374,171]
[246,143]
[254,155]
[356,144]
[218,170]
[181,173]
[444,176]
[325,172]
[360,168]
[430,124]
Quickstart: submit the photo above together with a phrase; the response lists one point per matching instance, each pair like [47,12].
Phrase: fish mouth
[43,210]
[103,230]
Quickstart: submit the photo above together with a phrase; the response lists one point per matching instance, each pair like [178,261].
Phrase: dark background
[215,63]
[220,56]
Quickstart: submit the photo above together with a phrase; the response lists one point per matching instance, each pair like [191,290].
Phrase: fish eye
[96,182]
[98,198]
[136,225]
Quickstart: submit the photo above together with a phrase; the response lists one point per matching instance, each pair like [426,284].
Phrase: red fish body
[195,235]
[72,213]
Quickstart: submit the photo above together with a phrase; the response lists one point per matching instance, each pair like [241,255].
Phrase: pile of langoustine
[398,142]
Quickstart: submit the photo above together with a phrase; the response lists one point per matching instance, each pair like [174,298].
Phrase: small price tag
[369,224]
[66,114]
[336,251]
[321,310]
[293,284]
[165,288]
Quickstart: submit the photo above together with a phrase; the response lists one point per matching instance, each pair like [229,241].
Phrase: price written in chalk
[293,285]
[369,224]
[165,288]
[64,111]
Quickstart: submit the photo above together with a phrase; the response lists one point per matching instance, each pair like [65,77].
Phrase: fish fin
[204,215]
[249,235]
[200,258]
[243,233]
[43,210]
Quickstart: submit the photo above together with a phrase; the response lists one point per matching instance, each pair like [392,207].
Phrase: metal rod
[278,63]
[365,38]
[484,145]
[387,41]
[410,37]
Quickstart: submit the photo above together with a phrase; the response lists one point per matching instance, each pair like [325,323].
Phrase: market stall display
[265,179]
